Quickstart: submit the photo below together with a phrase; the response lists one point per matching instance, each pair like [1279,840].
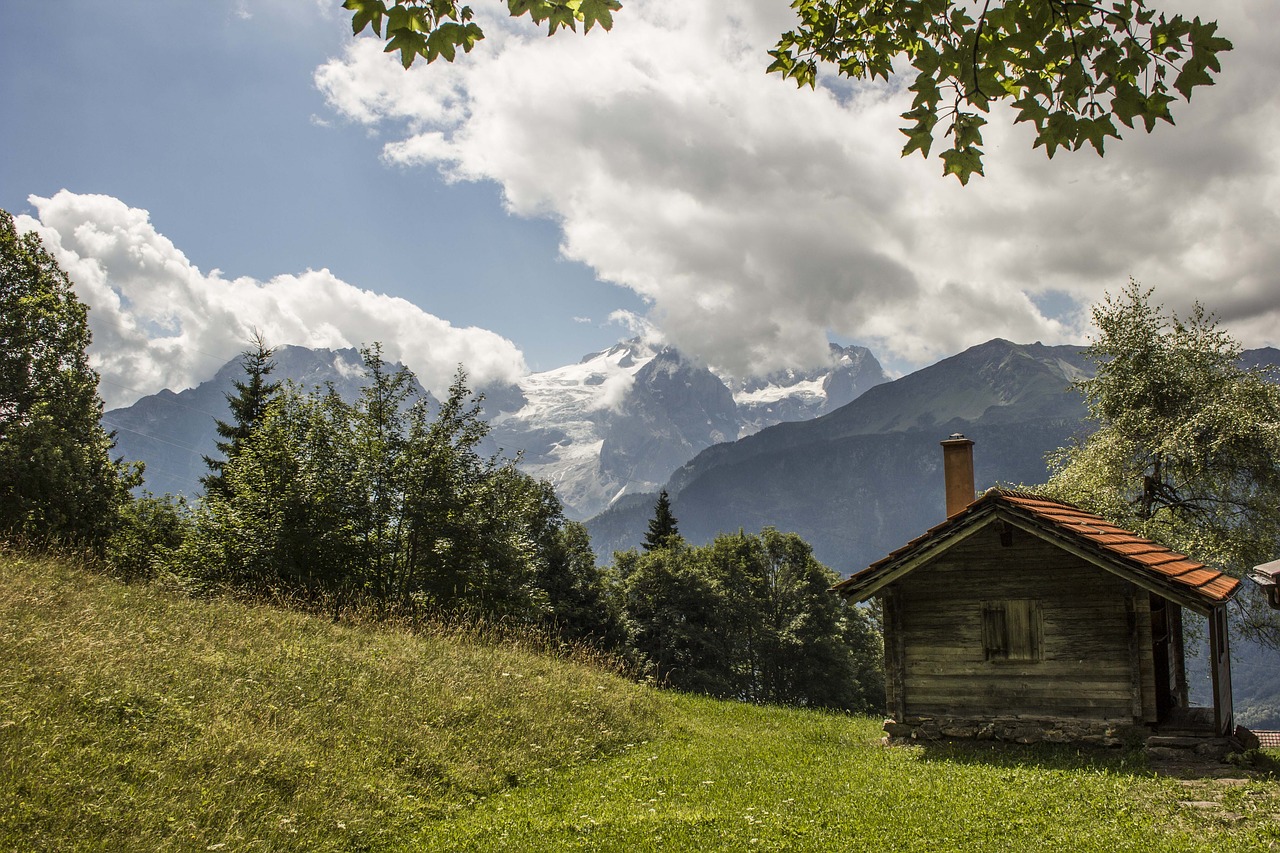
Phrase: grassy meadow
[136,718]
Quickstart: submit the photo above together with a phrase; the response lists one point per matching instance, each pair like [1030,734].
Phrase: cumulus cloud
[613,392]
[159,322]
[756,218]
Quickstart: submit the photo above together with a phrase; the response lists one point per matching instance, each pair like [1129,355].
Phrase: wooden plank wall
[1145,660]
[1091,632]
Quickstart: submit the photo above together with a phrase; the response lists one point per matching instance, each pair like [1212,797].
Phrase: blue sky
[209,121]
[518,200]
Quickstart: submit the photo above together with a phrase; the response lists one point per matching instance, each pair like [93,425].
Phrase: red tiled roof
[1268,740]
[1126,550]
[1152,557]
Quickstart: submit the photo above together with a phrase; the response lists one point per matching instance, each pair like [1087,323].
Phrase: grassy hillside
[135,719]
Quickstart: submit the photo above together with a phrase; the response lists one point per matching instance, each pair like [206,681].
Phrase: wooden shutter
[1012,630]
[1022,616]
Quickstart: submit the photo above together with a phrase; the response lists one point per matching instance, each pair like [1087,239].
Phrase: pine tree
[248,405]
[662,527]
[381,419]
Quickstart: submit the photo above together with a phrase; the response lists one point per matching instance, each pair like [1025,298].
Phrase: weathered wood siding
[1092,662]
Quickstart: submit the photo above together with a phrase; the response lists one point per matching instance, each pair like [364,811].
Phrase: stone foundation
[1014,730]
[1109,733]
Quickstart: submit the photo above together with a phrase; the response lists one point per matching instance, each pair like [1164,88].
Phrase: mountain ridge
[618,421]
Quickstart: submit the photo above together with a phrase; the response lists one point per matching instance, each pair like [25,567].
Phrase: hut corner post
[1220,667]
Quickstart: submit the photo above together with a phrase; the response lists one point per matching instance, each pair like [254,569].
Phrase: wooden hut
[1026,619]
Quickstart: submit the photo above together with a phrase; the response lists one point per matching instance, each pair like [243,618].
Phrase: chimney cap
[956,438]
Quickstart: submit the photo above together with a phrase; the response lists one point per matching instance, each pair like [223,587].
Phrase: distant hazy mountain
[1264,357]
[863,480]
[173,432]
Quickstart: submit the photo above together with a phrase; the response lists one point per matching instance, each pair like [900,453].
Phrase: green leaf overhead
[434,29]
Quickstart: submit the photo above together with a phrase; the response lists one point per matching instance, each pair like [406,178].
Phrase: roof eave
[923,549]
[1166,588]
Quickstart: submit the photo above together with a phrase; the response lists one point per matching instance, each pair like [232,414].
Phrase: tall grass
[135,719]
[130,718]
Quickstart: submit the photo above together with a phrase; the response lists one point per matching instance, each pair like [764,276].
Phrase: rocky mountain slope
[621,421]
[862,480]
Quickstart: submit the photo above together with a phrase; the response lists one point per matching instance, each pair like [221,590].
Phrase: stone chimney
[957,472]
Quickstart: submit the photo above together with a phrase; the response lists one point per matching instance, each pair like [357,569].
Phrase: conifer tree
[248,406]
[662,527]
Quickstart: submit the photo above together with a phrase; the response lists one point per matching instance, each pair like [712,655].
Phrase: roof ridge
[1009,492]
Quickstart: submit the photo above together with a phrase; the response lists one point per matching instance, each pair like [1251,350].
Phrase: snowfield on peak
[561,424]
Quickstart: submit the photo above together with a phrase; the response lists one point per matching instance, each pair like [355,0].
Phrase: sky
[205,169]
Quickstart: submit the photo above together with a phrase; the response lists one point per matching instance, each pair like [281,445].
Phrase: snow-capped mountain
[622,420]
[558,427]
[617,422]
[792,395]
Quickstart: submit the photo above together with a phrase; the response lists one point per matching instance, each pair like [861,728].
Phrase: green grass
[735,777]
[132,718]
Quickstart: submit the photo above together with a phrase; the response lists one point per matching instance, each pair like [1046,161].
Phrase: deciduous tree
[58,482]
[750,617]
[1187,447]
[324,500]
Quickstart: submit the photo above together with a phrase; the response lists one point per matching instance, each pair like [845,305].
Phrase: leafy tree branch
[432,29]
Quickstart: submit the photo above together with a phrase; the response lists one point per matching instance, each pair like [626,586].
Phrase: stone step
[1186,741]
[1175,747]
[1173,731]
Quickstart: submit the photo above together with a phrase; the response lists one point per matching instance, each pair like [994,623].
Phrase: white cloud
[756,218]
[638,326]
[613,392]
[159,322]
